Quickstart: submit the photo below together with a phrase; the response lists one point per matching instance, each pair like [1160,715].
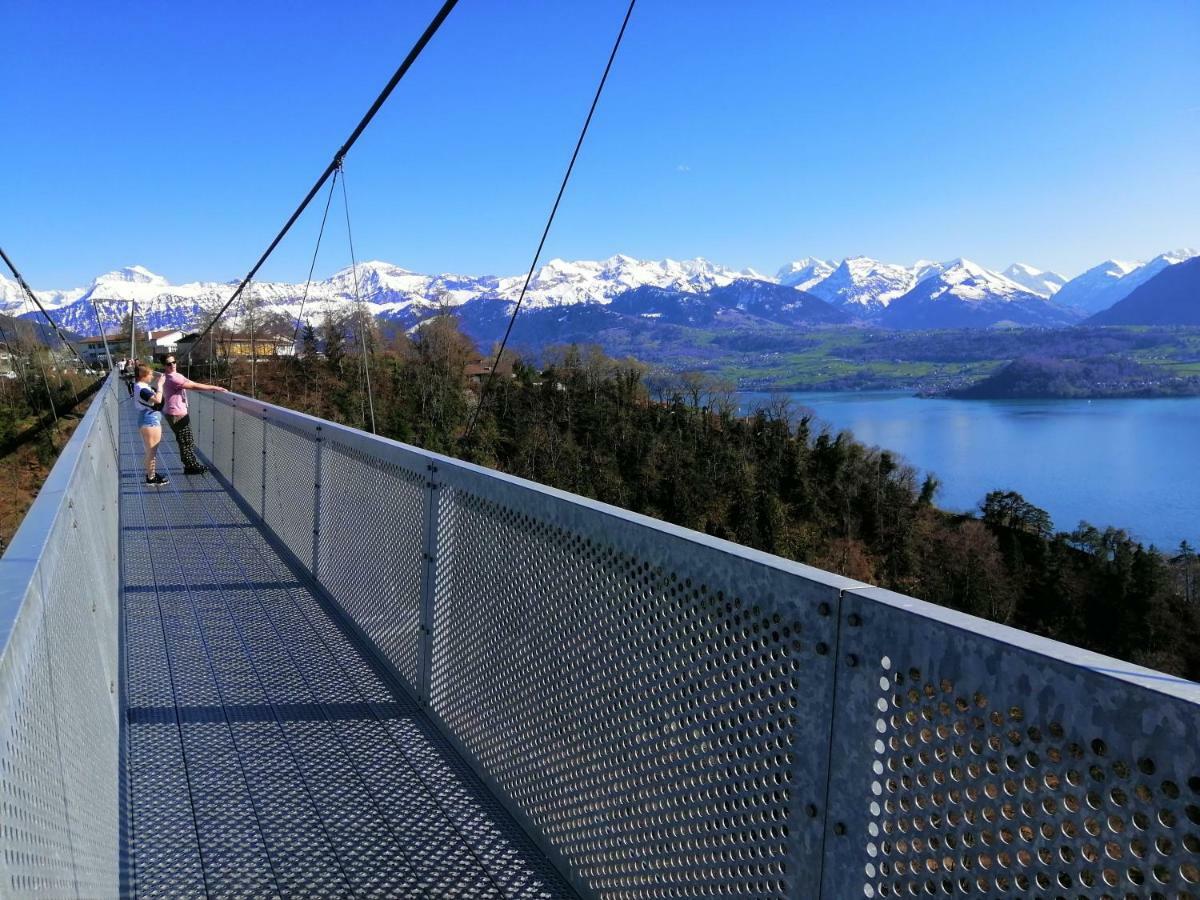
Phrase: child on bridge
[149,400]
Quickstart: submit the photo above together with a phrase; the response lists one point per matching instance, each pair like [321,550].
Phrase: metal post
[233,445]
[316,540]
[133,329]
[428,588]
[103,336]
[262,506]
[212,402]
[49,396]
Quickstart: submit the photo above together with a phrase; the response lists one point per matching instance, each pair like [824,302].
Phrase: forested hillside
[673,447]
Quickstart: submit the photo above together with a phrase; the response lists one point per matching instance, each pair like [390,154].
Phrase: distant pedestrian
[175,408]
[127,375]
[149,399]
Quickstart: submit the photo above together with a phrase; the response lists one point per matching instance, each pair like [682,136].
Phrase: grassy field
[861,358]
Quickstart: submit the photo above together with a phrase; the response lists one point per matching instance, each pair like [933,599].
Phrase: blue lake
[1134,464]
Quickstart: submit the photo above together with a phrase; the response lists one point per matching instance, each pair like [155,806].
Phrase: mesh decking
[267,754]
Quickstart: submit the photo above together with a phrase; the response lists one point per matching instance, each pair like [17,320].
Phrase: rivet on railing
[811,810]
[854,619]
[851,660]
[823,609]
[822,648]
[839,828]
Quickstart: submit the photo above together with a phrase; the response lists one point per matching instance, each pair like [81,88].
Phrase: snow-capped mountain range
[925,294]
[963,294]
[1113,280]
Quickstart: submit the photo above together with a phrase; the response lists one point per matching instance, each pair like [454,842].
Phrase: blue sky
[179,136]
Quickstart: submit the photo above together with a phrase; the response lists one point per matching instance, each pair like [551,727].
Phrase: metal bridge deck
[266,752]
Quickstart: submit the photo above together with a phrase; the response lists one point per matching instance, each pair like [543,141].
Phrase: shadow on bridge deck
[266,752]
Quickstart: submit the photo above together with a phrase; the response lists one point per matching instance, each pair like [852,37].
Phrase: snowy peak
[131,275]
[967,295]
[863,285]
[562,283]
[1044,284]
[923,268]
[1107,284]
[969,281]
[803,274]
[1171,257]
[13,301]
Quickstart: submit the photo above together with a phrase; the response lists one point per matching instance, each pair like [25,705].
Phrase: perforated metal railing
[59,811]
[672,716]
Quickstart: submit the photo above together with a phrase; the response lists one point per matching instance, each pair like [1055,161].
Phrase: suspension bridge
[343,666]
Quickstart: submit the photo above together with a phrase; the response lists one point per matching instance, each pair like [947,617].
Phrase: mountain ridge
[1172,297]
[861,287]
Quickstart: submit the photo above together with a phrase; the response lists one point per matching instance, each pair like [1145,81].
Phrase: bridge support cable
[19,368]
[61,372]
[363,338]
[427,35]
[32,300]
[38,303]
[483,392]
[250,319]
[33,353]
[317,249]
[103,336]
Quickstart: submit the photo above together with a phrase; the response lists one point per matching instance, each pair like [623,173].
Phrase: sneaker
[195,470]
[157,480]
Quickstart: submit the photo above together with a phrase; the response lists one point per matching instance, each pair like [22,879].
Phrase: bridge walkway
[266,752]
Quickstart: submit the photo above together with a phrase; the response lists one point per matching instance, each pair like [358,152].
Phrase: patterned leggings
[182,426]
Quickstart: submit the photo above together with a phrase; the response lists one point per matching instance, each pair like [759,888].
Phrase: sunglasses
[169,362]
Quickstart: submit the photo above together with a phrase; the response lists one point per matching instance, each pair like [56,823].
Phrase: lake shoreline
[1120,461]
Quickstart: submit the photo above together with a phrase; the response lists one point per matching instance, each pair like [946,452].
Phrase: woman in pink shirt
[175,388]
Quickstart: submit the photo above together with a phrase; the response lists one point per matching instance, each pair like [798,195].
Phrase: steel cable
[313,265]
[483,392]
[422,41]
[358,305]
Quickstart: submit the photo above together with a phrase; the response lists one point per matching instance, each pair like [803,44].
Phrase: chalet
[479,370]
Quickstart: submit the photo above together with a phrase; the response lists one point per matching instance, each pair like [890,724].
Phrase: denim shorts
[150,418]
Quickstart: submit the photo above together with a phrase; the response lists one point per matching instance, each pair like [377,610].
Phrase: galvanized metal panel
[656,707]
[58,710]
[78,580]
[289,491]
[372,543]
[248,448]
[200,414]
[222,455]
[967,764]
